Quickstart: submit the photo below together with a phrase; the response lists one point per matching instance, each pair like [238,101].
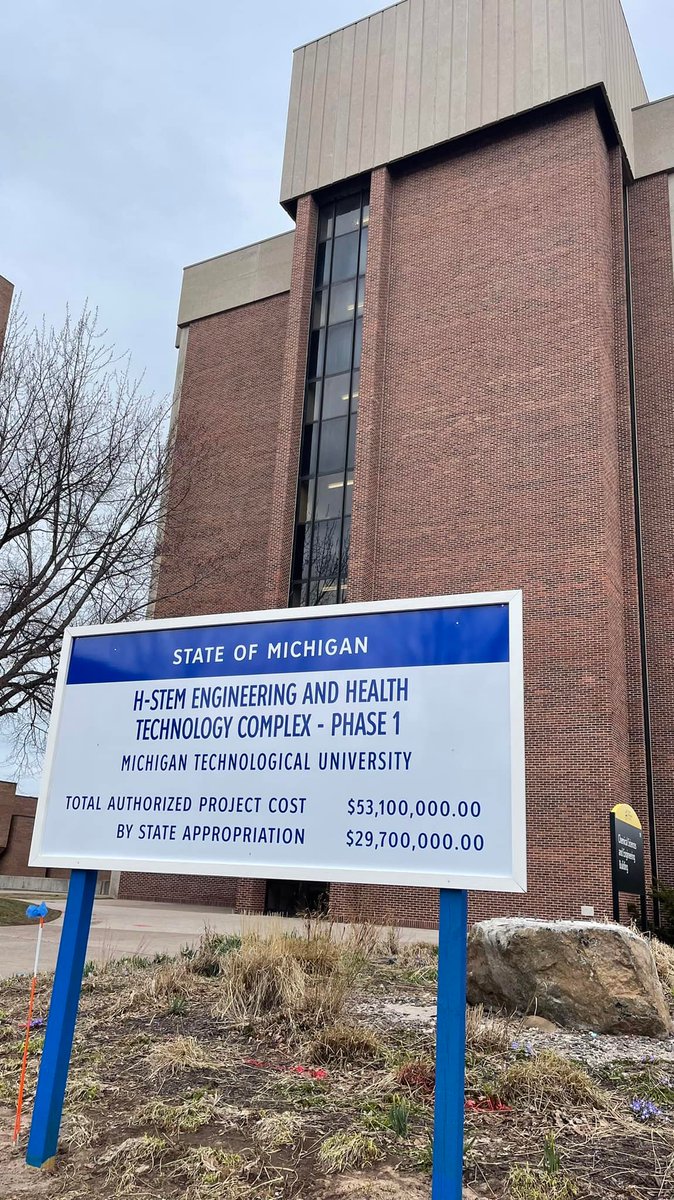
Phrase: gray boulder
[579,974]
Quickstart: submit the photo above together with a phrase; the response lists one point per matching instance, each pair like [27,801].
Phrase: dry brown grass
[155,991]
[343,1044]
[547,1081]
[272,1132]
[488,1034]
[348,1152]
[131,1162]
[301,982]
[176,1055]
[186,1116]
[664,964]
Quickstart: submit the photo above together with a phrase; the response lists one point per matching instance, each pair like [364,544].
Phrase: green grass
[13,912]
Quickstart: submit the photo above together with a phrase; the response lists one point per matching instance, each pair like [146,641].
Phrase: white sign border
[517,882]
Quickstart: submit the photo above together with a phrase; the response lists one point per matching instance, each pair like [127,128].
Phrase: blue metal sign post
[450,1054]
[65,998]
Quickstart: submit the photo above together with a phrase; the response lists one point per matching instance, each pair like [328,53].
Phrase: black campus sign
[627,857]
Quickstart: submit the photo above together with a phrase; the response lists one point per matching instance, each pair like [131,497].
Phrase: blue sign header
[409,638]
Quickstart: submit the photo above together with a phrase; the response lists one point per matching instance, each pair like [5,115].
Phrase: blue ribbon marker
[35,911]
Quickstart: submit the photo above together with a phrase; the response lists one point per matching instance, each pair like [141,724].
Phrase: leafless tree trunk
[85,462]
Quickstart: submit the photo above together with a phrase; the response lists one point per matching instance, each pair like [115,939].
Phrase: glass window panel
[340,346]
[345,257]
[348,500]
[326,223]
[342,302]
[298,593]
[343,591]
[320,311]
[351,455]
[333,446]
[322,591]
[346,538]
[309,450]
[355,390]
[312,408]
[316,347]
[363,253]
[358,345]
[305,500]
[301,555]
[325,552]
[336,395]
[347,215]
[323,264]
[321,544]
[329,496]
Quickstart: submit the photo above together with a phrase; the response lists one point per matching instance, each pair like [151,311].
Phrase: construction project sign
[372,743]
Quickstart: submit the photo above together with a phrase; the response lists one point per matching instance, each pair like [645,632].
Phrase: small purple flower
[645,1110]
[523,1049]
[37,1023]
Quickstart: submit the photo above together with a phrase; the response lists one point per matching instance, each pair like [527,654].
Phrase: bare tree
[85,462]
[325,562]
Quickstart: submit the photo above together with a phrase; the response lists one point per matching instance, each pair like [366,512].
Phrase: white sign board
[368,743]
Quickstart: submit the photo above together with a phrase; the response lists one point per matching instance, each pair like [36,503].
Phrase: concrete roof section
[425,71]
[654,137]
[240,277]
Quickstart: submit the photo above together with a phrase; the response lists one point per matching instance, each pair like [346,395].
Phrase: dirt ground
[302,1068]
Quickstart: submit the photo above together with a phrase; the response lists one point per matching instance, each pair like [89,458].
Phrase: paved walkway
[122,927]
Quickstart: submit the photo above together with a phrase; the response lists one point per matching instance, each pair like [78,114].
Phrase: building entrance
[291,898]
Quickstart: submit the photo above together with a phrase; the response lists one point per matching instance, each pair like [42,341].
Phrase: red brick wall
[214,554]
[499,462]
[493,451]
[653,313]
[218,891]
[289,430]
[633,649]
[17,814]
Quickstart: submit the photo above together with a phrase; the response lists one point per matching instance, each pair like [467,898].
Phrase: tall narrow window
[323,519]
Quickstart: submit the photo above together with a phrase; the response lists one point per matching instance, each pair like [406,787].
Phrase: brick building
[455,375]
[6,294]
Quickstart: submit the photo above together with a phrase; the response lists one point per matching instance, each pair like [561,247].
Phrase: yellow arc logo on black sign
[623,812]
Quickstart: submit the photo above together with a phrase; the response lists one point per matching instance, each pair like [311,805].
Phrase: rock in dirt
[579,974]
[541,1024]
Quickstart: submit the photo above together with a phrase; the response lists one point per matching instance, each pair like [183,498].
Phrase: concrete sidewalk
[124,927]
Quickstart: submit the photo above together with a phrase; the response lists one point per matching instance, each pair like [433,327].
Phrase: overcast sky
[142,135]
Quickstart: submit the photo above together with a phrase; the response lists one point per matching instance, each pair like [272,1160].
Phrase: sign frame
[516,882]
